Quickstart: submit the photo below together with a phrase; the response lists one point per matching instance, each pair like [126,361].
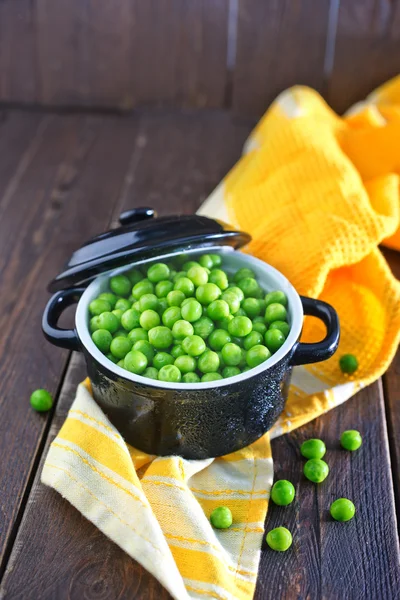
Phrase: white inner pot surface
[269,279]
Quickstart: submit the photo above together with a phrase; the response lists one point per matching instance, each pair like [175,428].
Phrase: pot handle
[318,351]
[65,338]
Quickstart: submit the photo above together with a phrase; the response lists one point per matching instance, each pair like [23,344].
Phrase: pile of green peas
[188,321]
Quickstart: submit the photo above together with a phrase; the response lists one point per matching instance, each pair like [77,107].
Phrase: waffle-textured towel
[318,193]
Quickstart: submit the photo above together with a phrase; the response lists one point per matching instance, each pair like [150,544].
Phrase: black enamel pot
[204,420]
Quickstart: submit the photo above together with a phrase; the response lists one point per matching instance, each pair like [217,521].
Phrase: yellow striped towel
[318,193]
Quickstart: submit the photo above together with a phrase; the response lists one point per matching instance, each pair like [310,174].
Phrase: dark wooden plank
[280,43]
[114,55]
[64,195]
[17,143]
[179,52]
[179,159]
[18,75]
[367,50]
[359,559]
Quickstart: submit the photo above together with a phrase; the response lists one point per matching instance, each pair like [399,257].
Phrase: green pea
[193,345]
[223,323]
[274,339]
[121,363]
[134,276]
[207,293]
[208,362]
[141,288]
[192,310]
[41,400]
[230,372]
[221,517]
[96,307]
[182,329]
[348,364]
[250,287]
[313,448]
[342,510]
[183,284]
[211,377]
[170,373]
[121,332]
[146,348]
[351,440]
[162,359]
[149,319]
[219,278]
[221,360]
[216,260]
[110,298]
[102,338]
[177,350]
[254,338]
[232,301]
[178,275]
[151,373]
[262,304]
[275,312]
[120,346]
[218,339]
[203,327]
[123,304]
[276,298]
[130,319]
[94,323]
[190,378]
[281,326]
[120,285]
[185,363]
[257,355]
[148,302]
[108,321]
[259,326]
[135,362]
[206,261]
[234,289]
[240,326]
[279,539]
[282,492]
[160,337]
[251,307]
[112,357]
[138,334]
[231,354]
[171,316]
[218,309]
[163,288]
[158,272]
[189,265]
[316,470]
[118,313]
[243,273]
[198,275]
[162,306]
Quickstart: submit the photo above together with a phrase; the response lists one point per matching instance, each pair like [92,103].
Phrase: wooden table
[64,178]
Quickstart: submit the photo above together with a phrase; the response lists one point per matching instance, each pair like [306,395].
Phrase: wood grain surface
[83,171]
[236,54]
[279,44]
[367,50]
[44,214]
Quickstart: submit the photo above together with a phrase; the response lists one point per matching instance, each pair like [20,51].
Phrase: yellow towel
[318,193]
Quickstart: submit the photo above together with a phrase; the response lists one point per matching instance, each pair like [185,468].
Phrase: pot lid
[142,236]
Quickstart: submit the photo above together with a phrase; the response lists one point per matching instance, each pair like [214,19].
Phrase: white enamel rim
[269,278]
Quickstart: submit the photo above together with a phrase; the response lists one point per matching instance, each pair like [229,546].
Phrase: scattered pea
[351,440]
[221,517]
[279,539]
[283,492]
[348,364]
[342,510]
[41,400]
[313,448]
[316,470]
